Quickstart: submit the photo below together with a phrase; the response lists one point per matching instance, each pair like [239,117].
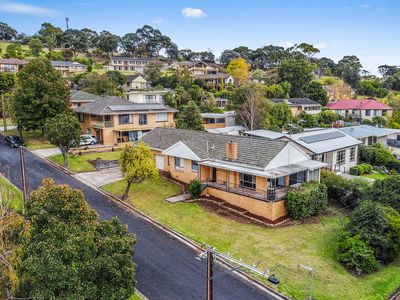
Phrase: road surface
[166,267]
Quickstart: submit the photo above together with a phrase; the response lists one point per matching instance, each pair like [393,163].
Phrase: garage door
[160,162]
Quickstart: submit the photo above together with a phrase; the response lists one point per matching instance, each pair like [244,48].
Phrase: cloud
[158,21]
[194,13]
[286,44]
[364,5]
[20,8]
[321,45]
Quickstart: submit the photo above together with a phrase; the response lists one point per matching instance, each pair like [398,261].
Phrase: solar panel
[322,137]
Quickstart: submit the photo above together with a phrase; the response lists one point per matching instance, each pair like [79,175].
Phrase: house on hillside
[12,64]
[132,64]
[114,120]
[221,103]
[136,82]
[218,120]
[339,150]
[297,105]
[146,96]
[370,135]
[67,68]
[250,173]
[196,67]
[215,81]
[79,98]
[360,110]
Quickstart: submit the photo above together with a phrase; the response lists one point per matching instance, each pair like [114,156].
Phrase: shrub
[306,201]
[376,154]
[386,192]
[195,188]
[355,254]
[361,169]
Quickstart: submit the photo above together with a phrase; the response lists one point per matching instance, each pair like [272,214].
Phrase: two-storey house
[297,105]
[359,110]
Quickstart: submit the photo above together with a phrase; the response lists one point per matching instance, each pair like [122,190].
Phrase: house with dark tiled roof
[136,82]
[68,67]
[12,64]
[247,172]
[79,98]
[297,105]
[359,110]
[115,120]
[132,64]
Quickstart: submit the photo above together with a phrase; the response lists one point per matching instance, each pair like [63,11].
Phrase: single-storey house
[359,110]
[297,105]
[115,120]
[215,80]
[196,67]
[251,173]
[12,64]
[67,67]
[370,135]
[136,82]
[79,98]
[339,150]
[218,120]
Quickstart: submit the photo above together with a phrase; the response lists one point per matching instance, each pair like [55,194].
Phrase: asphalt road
[166,267]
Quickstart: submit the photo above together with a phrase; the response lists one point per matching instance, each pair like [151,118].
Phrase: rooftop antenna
[67,22]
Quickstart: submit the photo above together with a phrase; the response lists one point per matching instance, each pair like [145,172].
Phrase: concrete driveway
[47,152]
[99,178]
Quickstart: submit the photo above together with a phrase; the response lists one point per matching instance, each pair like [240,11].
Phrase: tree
[349,68]
[99,84]
[387,70]
[130,42]
[268,57]
[386,192]
[107,42]
[279,90]
[35,46]
[117,77]
[41,93]
[239,69]
[62,130]
[91,37]
[328,117]
[7,33]
[251,113]
[308,49]
[298,73]
[280,115]
[137,164]
[315,91]
[190,117]
[49,35]
[76,40]
[69,254]
[227,56]
[153,73]
[183,77]
[7,83]
[14,50]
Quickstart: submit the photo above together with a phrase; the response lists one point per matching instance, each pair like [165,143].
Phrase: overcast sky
[368,29]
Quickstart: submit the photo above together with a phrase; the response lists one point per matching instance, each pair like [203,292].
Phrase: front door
[213,175]
[99,137]
[160,162]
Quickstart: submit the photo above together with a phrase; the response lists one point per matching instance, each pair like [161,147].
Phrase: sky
[366,28]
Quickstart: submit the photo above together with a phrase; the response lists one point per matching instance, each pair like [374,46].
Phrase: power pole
[23,174]
[67,21]
[4,112]
[210,262]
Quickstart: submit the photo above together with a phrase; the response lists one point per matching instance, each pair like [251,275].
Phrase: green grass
[278,249]
[135,297]
[11,195]
[33,140]
[81,164]
[376,176]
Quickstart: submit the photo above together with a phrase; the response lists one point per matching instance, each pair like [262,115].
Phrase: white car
[87,139]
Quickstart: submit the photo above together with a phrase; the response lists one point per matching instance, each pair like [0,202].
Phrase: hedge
[307,200]
[361,169]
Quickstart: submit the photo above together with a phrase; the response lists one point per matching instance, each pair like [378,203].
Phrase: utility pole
[23,174]
[4,112]
[67,21]
[210,262]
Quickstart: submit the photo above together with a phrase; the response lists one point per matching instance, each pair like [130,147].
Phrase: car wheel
[91,143]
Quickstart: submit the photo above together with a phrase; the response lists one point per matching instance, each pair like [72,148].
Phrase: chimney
[231,150]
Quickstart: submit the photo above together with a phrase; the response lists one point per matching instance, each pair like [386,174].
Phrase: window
[368,112]
[179,163]
[150,98]
[81,118]
[372,140]
[352,153]
[384,112]
[142,119]
[125,119]
[341,157]
[247,181]
[161,117]
[220,120]
[195,166]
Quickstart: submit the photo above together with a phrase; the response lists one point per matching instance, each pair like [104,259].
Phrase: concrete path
[47,152]
[8,127]
[178,198]
[348,176]
[100,178]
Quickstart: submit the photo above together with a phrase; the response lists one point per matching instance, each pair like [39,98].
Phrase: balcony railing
[102,124]
[273,194]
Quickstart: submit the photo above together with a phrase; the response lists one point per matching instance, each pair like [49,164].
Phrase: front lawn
[277,249]
[11,195]
[33,139]
[376,176]
[80,163]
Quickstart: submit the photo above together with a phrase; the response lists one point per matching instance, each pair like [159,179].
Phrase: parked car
[87,139]
[14,141]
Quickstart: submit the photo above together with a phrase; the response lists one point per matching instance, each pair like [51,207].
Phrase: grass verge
[11,195]
[33,139]
[376,176]
[279,250]
[80,163]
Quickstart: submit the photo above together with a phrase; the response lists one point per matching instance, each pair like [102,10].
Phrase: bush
[376,154]
[355,254]
[361,169]
[195,188]
[306,201]
[386,192]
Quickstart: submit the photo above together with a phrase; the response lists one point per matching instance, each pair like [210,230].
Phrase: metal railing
[102,124]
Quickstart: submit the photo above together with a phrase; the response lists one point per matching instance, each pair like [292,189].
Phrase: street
[166,267]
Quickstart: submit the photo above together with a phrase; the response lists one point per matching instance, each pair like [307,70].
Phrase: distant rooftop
[363,131]
[358,104]
[295,101]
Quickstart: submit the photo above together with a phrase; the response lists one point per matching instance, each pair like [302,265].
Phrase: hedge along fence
[307,200]
[361,169]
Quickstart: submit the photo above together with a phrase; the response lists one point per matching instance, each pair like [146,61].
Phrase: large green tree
[76,40]
[298,73]
[280,115]
[41,93]
[107,42]
[62,131]
[190,117]
[100,84]
[315,91]
[69,254]
[137,164]
[6,32]
[50,35]
[7,83]
[349,68]
[35,46]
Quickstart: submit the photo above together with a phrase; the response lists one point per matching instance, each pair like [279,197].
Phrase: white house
[136,82]
[138,96]
[365,109]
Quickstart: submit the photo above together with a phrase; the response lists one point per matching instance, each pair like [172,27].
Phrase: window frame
[141,120]
[179,166]
[130,119]
[352,154]
[341,157]
[195,164]
[245,183]
[163,119]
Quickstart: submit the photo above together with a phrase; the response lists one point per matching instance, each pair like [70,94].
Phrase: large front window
[142,119]
[161,117]
[179,163]
[125,119]
[248,181]
[150,98]
[341,157]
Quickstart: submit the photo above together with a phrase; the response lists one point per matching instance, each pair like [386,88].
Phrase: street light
[311,270]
